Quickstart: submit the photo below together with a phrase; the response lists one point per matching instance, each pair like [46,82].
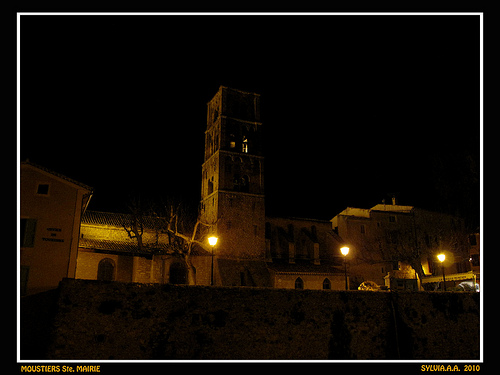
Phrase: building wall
[88,264]
[310,281]
[52,254]
[232,193]
[378,239]
[303,234]
[137,269]
[129,267]
[241,226]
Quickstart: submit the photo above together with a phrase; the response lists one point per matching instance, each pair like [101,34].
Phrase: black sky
[355,108]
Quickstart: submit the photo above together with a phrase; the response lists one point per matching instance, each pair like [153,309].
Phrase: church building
[60,238]
[252,249]
[255,250]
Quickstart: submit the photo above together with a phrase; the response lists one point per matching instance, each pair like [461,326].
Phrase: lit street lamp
[345,250]
[441,257]
[212,241]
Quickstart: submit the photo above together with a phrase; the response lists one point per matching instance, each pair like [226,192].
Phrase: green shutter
[29,233]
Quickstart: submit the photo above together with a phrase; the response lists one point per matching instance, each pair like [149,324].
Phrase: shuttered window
[28,229]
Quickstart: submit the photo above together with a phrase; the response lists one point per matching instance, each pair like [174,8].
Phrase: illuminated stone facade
[51,207]
[232,196]
[254,250]
[106,252]
[384,237]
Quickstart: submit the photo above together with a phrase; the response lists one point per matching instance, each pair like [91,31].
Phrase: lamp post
[212,240]
[441,257]
[345,250]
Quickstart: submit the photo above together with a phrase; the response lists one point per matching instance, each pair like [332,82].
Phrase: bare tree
[168,217]
[184,232]
[134,222]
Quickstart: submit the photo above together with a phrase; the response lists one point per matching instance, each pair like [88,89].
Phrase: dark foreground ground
[98,320]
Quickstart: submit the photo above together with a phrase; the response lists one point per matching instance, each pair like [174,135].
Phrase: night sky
[354,108]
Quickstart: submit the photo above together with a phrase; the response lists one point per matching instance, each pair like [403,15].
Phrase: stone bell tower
[232,193]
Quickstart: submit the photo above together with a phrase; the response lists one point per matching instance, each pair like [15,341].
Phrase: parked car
[369,285]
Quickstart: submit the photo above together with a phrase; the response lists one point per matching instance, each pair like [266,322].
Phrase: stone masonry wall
[98,320]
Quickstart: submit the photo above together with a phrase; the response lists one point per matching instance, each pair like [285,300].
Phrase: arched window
[106,270]
[299,284]
[244,145]
[241,183]
[245,184]
[178,273]
[232,141]
[327,284]
[210,186]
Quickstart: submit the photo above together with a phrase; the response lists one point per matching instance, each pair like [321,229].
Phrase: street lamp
[441,257]
[345,250]
[212,240]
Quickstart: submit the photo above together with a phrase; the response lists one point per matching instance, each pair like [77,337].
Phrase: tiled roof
[393,208]
[118,246]
[117,219]
[129,247]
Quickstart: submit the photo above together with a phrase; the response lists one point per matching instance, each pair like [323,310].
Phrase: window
[472,240]
[255,230]
[241,183]
[475,260]
[245,184]
[393,236]
[42,189]
[236,182]
[268,230]
[299,284]
[363,229]
[327,284]
[232,141]
[427,240]
[210,186]
[106,270]
[244,145]
[430,264]
[28,229]
[392,219]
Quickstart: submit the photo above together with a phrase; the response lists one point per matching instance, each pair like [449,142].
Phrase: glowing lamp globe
[441,257]
[344,250]
[212,240]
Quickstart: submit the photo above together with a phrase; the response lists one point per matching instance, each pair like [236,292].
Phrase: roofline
[241,91]
[314,273]
[60,176]
[408,210]
[324,221]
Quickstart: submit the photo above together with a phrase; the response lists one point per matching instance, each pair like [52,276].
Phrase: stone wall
[98,320]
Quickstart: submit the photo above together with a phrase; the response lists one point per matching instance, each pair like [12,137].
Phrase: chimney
[394,200]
